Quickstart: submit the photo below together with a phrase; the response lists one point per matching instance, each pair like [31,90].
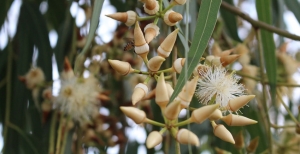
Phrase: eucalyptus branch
[286,108]
[285,126]
[259,24]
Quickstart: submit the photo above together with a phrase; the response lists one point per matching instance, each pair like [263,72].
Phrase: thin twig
[259,24]
[285,126]
[287,108]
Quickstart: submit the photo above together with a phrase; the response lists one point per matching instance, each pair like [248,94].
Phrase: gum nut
[201,114]
[178,64]
[174,17]
[166,46]
[151,6]
[161,92]
[155,62]
[153,139]
[121,67]
[151,31]
[236,120]
[216,115]
[139,92]
[170,89]
[137,115]
[225,60]
[188,90]
[238,102]
[172,110]
[139,39]
[185,136]
[221,132]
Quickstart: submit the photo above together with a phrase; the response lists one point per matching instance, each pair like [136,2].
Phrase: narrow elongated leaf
[4,7]
[207,18]
[294,6]
[267,41]
[94,24]
[230,22]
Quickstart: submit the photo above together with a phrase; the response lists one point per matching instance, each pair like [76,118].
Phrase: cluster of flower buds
[163,91]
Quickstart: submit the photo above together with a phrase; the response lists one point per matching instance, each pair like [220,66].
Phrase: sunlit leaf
[207,18]
[294,6]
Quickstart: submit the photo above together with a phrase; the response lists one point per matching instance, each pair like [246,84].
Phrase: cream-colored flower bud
[155,62]
[121,67]
[187,92]
[201,114]
[243,50]
[225,53]
[170,89]
[151,6]
[171,18]
[216,50]
[128,17]
[151,31]
[225,60]
[139,92]
[141,47]
[46,106]
[216,115]
[137,115]
[161,92]
[180,2]
[238,102]
[216,61]
[172,110]
[221,132]
[237,120]
[185,136]
[166,46]
[178,64]
[34,77]
[153,139]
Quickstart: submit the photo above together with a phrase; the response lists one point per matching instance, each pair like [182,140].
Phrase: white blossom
[78,98]
[214,81]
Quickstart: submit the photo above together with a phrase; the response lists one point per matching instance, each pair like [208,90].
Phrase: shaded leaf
[207,18]
[230,22]
[294,6]
[267,41]
[4,7]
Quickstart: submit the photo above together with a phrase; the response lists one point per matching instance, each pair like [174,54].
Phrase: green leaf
[4,6]
[207,18]
[294,6]
[94,24]
[267,41]
[230,22]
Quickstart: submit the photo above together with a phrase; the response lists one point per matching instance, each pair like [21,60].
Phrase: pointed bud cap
[151,6]
[141,47]
[226,60]
[239,140]
[153,139]
[128,17]
[139,92]
[178,64]
[238,102]
[253,145]
[236,120]
[137,115]
[151,31]
[121,67]
[185,136]
[155,62]
[216,115]
[201,114]
[161,92]
[166,46]
[188,91]
[221,132]
[170,90]
[171,18]
[172,110]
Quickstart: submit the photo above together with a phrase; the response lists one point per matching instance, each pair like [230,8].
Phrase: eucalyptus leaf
[207,18]
[267,41]
[294,6]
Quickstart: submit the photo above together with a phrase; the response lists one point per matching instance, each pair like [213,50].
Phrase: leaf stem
[182,123]
[52,132]
[65,135]
[152,122]
[59,136]
[145,18]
